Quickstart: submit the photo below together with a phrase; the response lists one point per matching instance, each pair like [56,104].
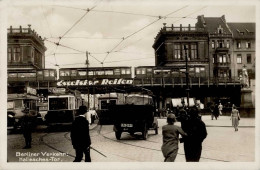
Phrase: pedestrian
[27,125]
[170,134]
[235,117]
[80,136]
[215,112]
[220,108]
[196,131]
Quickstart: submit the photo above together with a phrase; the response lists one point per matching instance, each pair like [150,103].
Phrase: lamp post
[187,75]
[87,63]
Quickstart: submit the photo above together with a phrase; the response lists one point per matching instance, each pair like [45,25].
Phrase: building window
[239,59]
[9,54]
[238,44]
[248,45]
[177,51]
[228,44]
[248,58]
[213,44]
[224,59]
[220,59]
[193,52]
[220,43]
[17,54]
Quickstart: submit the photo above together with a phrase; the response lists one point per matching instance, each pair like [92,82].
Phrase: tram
[63,106]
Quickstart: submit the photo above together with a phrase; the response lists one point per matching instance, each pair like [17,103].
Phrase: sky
[114,33]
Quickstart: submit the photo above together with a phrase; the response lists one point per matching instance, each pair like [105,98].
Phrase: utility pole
[87,63]
[187,75]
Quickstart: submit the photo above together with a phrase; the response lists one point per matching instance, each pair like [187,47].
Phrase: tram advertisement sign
[120,81]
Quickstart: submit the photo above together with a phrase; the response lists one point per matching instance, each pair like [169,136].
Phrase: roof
[242,30]
[213,23]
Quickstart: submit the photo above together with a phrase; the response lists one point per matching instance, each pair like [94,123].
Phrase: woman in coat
[235,117]
[170,134]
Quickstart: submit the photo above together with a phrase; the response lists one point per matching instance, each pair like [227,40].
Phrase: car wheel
[118,135]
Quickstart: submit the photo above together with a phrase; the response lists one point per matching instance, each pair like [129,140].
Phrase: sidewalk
[224,121]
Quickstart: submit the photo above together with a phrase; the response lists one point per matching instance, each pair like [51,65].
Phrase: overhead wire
[48,25]
[73,49]
[156,31]
[124,38]
[130,35]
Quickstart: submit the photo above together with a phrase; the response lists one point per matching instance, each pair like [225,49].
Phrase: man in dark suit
[80,136]
[196,130]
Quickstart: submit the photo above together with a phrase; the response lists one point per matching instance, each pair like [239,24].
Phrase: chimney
[223,18]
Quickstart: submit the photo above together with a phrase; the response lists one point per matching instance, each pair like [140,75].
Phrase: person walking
[220,108]
[27,124]
[80,136]
[235,117]
[215,112]
[170,134]
[196,131]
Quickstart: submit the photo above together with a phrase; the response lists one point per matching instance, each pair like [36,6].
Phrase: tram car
[94,72]
[17,106]
[32,75]
[169,75]
[137,114]
[105,101]
[62,107]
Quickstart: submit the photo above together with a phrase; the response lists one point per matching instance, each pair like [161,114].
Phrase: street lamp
[187,75]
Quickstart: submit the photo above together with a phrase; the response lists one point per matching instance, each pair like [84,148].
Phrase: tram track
[159,150]
[99,133]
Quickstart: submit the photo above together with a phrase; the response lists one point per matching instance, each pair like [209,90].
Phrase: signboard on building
[30,90]
[101,82]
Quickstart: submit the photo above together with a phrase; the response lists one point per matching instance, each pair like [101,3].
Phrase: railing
[183,29]
[21,30]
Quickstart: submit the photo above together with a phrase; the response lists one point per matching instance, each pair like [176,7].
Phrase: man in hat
[170,134]
[80,136]
[196,130]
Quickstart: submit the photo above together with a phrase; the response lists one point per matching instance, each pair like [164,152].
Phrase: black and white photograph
[120,84]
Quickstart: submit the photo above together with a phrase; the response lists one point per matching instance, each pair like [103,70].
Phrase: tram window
[58,103]
[39,73]
[26,74]
[99,72]
[12,75]
[62,73]
[82,73]
[157,72]
[73,72]
[149,70]
[202,69]
[128,71]
[67,72]
[191,70]
[138,71]
[117,71]
[46,73]
[52,73]
[143,71]
[109,72]
[90,73]
[123,71]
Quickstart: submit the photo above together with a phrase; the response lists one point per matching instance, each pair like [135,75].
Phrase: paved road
[222,144]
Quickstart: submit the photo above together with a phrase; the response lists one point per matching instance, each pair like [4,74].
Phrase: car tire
[118,135]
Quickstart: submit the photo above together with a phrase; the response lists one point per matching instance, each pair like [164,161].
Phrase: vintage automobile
[136,115]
